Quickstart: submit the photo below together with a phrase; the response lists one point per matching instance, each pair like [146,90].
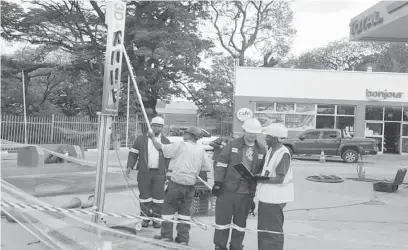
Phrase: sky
[317,22]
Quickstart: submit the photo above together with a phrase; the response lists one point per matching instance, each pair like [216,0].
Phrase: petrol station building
[367,104]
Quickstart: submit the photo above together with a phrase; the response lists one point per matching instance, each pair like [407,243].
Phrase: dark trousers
[177,199]
[235,207]
[270,217]
[151,188]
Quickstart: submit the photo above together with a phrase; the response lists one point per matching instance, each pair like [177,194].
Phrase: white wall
[317,84]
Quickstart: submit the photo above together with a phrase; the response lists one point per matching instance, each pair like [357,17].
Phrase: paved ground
[320,210]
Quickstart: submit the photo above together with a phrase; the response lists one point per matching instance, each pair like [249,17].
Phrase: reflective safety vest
[276,193]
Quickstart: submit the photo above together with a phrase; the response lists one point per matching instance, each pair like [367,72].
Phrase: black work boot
[145,223]
[156,224]
[161,237]
[220,248]
[177,240]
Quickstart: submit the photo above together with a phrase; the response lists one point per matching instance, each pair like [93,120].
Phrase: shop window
[265,107]
[345,110]
[393,114]
[326,109]
[345,123]
[323,121]
[374,113]
[329,134]
[305,108]
[374,129]
[404,145]
[285,107]
[312,135]
[405,114]
[405,130]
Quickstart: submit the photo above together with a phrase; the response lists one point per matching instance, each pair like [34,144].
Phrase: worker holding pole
[275,192]
[187,159]
[234,194]
[152,167]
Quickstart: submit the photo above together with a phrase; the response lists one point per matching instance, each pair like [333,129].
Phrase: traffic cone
[322,157]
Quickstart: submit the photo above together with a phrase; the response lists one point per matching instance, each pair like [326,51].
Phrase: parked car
[206,139]
[333,142]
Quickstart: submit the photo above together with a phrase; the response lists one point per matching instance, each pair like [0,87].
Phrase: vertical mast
[115,20]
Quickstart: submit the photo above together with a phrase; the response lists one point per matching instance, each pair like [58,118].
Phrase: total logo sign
[244,114]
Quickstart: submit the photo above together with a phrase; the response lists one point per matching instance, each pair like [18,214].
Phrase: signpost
[115,20]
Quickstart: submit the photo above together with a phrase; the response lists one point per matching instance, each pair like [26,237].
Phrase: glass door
[375,130]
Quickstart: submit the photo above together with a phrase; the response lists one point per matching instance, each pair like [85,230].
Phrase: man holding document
[274,192]
[234,192]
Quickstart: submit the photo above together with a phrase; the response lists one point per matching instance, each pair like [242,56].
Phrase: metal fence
[81,131]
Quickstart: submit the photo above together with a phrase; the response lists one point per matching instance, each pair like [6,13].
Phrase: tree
[264,25]
[42,77]
[214,99]
[161,38]
[337,55]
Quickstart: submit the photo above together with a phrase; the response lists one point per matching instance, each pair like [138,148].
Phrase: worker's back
[187,160]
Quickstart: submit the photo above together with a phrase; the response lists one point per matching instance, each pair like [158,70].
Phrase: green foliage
[162,41]
[214,99]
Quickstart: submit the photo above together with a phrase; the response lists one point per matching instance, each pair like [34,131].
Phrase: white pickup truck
[205,140]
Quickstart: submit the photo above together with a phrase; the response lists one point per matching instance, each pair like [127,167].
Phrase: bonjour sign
[366,23]
[383,95]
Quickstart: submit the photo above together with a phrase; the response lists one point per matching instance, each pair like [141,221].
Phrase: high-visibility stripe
[184,217]
[223,165]
[133,150]
[158,201]
[146,200]
[168,217]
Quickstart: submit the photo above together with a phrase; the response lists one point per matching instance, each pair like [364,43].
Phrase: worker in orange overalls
[152,167]
[234,194]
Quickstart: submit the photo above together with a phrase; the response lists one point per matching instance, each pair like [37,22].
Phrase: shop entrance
[392,137]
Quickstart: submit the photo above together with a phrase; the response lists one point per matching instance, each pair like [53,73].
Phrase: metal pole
[25,110]
[115,20]
[52,127]
[127,112]
[137,89]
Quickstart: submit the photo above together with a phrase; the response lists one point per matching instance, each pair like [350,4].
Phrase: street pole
[127,111]
[115,20]
[25,110]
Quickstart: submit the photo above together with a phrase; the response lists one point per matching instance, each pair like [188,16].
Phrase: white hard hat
[276,130]
[158,120]
[252,125]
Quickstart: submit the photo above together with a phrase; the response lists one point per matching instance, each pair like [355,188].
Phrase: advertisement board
[266,119]
[299,122]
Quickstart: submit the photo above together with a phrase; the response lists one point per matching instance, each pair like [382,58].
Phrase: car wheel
[350,156]
[290,151]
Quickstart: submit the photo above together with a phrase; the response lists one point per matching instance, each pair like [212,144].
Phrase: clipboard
[247,175]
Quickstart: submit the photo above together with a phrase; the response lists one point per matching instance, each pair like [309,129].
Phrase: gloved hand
[217,188]
[252,209]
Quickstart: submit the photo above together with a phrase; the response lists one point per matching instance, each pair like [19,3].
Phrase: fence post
[137,125]
[52,128]
[99,122]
